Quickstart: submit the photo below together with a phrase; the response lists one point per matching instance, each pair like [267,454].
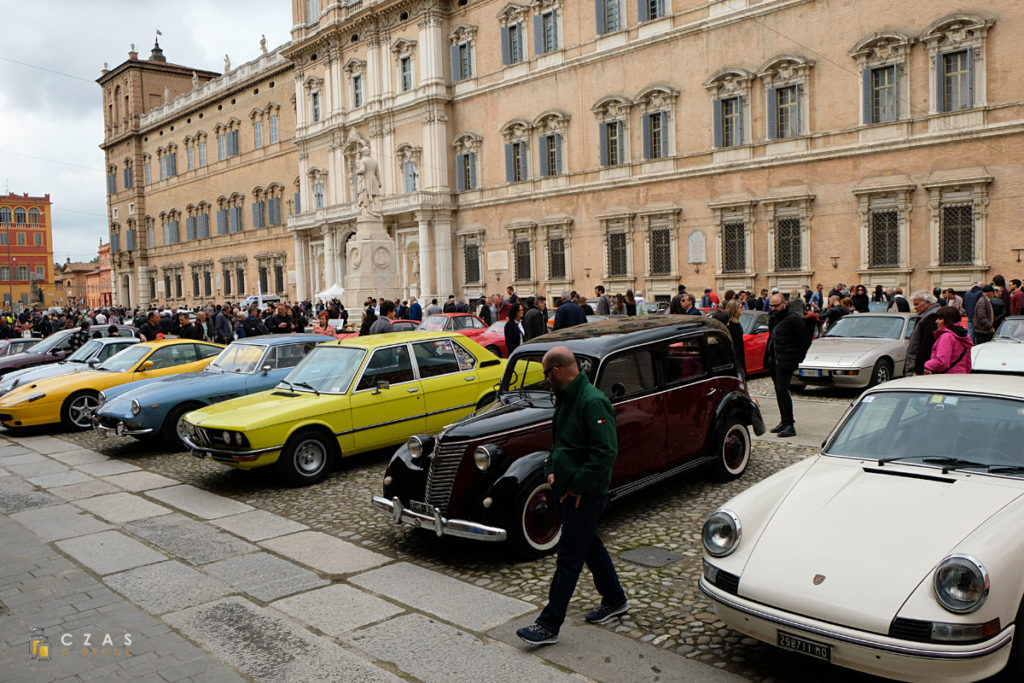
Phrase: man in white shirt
[100,318]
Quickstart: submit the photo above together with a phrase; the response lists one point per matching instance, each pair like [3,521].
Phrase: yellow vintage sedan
[71,399]
[347,397]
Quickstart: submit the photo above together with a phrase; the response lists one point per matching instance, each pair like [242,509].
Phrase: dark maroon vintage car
[680,406]
[53,348]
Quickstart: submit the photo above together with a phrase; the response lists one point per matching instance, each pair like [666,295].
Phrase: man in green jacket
[579,470]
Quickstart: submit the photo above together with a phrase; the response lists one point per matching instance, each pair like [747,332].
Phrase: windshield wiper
[284,381]
[308,386]
[953,463]
[1005,469]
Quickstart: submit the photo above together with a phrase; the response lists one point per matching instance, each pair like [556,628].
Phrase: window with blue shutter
[649,10]
[357,90]
[129,239]
[314,100]
[150,238]
[655,135]
[550,154]
[222,221]
[111,183]
[115,244]
[172,164]
[460,173]
[202,154]
[222,147]
[274,207]
[609,16]
[462,61]
[203,227]
[257,134]
[611,143]
[772,119]
[273,129]
[190,158]
[167,233]
[512,44]
[235,219]
[409,173]
[545,32]
[405,70]
[127,177]
[298,203]
[190,228]
[233,143]
[175,232]
[259,214]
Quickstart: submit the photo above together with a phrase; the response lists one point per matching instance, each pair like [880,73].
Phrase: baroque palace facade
[554,145]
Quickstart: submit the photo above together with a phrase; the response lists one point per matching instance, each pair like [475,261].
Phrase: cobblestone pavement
[668,609]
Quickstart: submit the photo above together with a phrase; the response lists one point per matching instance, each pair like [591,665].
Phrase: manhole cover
[650,557]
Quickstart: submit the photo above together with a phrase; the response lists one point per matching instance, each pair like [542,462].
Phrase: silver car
[1005,353]
[859,350]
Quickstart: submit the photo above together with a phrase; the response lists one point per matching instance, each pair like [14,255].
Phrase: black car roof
[598,339]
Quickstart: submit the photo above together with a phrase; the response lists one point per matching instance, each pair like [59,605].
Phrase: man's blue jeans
[579,545]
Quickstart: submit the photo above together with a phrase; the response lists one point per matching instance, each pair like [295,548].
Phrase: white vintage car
[1005,353]
[859,350]
[898,550]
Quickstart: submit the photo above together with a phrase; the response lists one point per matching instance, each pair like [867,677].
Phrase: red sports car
[463,323]
[755,337]
[493,339]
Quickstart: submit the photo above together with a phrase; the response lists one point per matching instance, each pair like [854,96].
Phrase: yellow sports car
[346,397]
[71,399]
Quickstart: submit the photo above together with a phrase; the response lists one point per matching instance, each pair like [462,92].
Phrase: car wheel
[882,372]
[306,458]
[76,413]
[536,525]
[732,450]
[173,428]
[494,349]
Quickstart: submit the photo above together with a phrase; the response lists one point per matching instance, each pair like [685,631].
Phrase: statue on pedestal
[195,80]
[227,63]
[263,43]
[368,176]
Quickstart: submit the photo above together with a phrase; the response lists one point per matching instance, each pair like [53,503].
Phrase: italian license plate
[421,507]
[810,373]
[787,641]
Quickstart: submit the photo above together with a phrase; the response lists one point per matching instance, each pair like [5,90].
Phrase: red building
[26,250]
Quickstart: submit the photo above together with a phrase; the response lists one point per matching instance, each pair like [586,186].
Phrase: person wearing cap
[984,316]
[568,313]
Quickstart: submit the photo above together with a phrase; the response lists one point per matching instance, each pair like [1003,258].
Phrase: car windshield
[50,342]
[1012,329]
[240,358]
[434,323]
[329,369]
[525,372]
[125,360]
[86,351]
[935,429]
[867,326]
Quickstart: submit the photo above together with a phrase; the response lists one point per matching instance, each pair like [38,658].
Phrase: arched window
[20,217]
[5,216]
[34,218]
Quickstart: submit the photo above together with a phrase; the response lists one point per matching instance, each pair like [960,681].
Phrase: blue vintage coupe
[153,408]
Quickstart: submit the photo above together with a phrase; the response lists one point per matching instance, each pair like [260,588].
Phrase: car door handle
[470,379]
[413,390]
[711,391]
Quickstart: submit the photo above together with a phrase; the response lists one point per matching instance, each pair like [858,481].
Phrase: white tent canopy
[332,292]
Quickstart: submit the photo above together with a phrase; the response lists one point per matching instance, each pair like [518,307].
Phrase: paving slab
[141,481]
[4,473]
[93,487]
[264,576]
[21,455]
[622,659]
[202,504]
[337,609]
[46,444]
[17,495]
[109,551]
[450,599]
[258,525]
[325,553]
[122,507]
[167,586]
[79,457]
[38,468]
[9,450]
[59,522]
[265,646]
[50,481]
[432,651]
[107,468]
[195,542]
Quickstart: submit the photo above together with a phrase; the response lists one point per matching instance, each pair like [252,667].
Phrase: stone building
[553,145]
[26,251]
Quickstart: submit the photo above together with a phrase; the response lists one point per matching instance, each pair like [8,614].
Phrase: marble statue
[227,63]
[167,95]
[368,175]
[263,43]
[195,80]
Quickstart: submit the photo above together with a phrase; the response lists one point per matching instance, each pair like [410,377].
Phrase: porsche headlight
[136,407]
[721,533]
[102,398]
[961,584]
[420,445]
[484,455]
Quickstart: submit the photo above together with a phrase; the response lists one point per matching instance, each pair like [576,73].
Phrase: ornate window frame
[520,232]
[785,71]
[408,154]
[959,186]
[400,49]
[951,34]
[551,228]
[513,14]
[516,134]
[472,238]
[355,68]
[617,223]
[727,84]
[613,109]
[469,145]
[789,204]
[540,9]
[552,123]
[655,100]
[463,34]
[314,85]
[879,51]
[735,211]
[319,176]
[885,194]
[661,219]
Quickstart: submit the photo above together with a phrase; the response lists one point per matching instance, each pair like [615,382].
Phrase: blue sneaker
[604,613]
[535,634]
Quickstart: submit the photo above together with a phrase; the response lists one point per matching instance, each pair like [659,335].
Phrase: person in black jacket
[919,348]
[150,328]
[535,320]
[513,329]
[786,348]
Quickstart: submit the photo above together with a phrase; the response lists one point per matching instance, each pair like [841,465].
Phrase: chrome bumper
[442,527]
[225,455]
[121,429]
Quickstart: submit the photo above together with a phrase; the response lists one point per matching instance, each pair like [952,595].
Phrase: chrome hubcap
[310,457]
[80,410]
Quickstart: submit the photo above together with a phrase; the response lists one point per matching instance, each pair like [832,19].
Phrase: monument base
[372,269]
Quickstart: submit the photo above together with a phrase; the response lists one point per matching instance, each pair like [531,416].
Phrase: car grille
[443,467]
[911,629]
[108,421]
[202,437]
[730,583]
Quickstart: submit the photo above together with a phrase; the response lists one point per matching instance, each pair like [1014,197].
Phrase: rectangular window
[655,135]
[318,194]
[23,273]
[273,129]
[357,91]
[111,183]
[195,283]
[240,280]
[471,258]
[146,174]
[956,81]
[115,246]
[405,71]
[551,154]
[649,10]
[410,175]
[730,122]
[956,235]
[661,252]
[297,203]
[172,164]
[167,285]
[34,218]
[462,61]
[232,143]
[37,239]
[883,95]
[465,171]
[190,228]
[202,153]
[21,239]
[222,147]
[129,239]
[609,16]
[235,219]
[227,281]
[787,244]
[190,158]
[39,273]
[611,144]
[167,233]
[5,273]
[4,238]
[274,208]
[150,237]
[278,278]
[163,167]
[515,162]
[207,283]
[556,258]
[884,240]
[546,38]
[512,44]
[312,11]
[787,112]
[177,285]
[522,255]
[734,247]
[259,214]
[257,134]
[261,272]
[315,105]
[127,177]
[617,266]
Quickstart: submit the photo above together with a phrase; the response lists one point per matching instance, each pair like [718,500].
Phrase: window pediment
[729,82]
[656,98]
[552,122]
[881,48]
[403,47]
[612,108]
[786,69]
[467,142]
[517,130]
[463,33]
[513,13]
[355,66]
[956,30]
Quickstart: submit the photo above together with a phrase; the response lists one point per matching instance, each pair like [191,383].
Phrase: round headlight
[420,445]
[483,456]
[961,584]
[721,533]
[136,408]
[101,397]
[238,438]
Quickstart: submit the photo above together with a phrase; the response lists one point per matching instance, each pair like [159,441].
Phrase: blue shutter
[865,93]
[509,167]
[222,221]
[970,78]
[127,182]
[896,82]
[456,71]
[129,240]
[538,34]
[506,48]
[523,159]
[167,233]
[460,179]
[716,125]
[471,157]
[542,150]
[114,245]
[797,129]
[603,143]
[939,83]
[641,10]
[190,228]
[275,211]
[256,215]
[647,136]
[741,105]
[773,113]
[599,12]
[663,152]
[557,170]
[298,203]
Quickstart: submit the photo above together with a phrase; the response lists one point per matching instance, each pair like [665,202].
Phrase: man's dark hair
[513,310]
[151,314]
[386,307]
[1015,281]
[433,301]
[530,302]
[600,288]
[112,330]
[680,289]
[948,314]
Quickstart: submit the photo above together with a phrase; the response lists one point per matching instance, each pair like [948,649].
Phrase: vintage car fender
[505,489]
[405,476]
[736,403]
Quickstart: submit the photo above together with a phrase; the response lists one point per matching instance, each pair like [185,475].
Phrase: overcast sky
[51,120]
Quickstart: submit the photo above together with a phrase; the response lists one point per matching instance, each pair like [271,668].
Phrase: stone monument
[370,254]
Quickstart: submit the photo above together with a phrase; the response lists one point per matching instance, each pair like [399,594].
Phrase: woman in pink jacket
[951,353]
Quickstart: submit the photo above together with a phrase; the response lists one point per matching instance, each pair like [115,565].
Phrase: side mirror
[146,366]
[92,362]
[382,384]
[267,368]
[56,352]
[761,329]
